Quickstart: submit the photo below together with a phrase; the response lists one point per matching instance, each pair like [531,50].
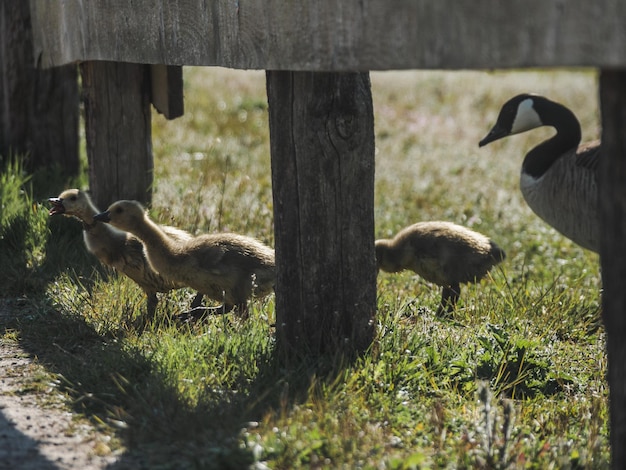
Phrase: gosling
[443,253]
[225,267]
[120,250]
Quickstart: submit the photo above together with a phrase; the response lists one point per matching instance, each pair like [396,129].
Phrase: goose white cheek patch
[526,117]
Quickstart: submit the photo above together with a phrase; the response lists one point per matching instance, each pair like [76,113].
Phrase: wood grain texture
[118,131]
[322,145]
[39,109]
[338,35]
[166,82]
[613,250]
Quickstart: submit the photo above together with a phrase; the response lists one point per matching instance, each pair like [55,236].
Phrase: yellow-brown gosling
[442,253]
[225,267]
[120,250]
[559,178]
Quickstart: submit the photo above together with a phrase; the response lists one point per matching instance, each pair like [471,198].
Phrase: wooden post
[118,132]
[613,250]
[322,148]
[38,108]
[167,90]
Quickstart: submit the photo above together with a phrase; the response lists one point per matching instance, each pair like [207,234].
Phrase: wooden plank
[39,109]
[613,250]
[118,131]
[322,146]
[167,90]
[337,35]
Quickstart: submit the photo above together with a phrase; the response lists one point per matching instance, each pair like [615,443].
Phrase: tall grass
[514,380]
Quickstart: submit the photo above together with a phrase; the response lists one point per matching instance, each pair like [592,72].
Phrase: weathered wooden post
[118,131]
[613,250]
[322,146]
[38,108]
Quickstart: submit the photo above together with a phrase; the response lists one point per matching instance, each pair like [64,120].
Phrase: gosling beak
[494,134]
[102,217]
[57,206]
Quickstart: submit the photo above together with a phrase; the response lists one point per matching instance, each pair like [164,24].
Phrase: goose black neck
[567,137]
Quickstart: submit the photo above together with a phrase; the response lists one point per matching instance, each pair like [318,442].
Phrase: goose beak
[102,217]
[494,134]
[57,206]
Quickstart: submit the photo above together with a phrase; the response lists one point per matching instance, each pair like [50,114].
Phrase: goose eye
[119,210]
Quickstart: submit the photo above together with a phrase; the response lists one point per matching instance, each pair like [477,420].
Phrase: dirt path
[37,432]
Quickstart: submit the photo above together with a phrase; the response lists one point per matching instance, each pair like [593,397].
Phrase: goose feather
[441,252]
[559,177]
[116,248]
[226,267]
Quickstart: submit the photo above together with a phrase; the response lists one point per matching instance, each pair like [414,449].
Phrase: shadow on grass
[36,249]
[121,388]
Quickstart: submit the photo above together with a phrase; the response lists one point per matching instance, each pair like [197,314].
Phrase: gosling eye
[73,198]
[119,210]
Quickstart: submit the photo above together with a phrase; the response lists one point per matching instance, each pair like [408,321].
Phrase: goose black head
[517,115]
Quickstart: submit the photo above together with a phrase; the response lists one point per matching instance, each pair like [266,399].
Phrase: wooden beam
[118,132]
[322,146]
[167,90]
[335,35]
[613,250]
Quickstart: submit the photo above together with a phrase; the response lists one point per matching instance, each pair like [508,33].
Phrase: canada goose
[116,248]
[441,252]
[558,178]
[223,266]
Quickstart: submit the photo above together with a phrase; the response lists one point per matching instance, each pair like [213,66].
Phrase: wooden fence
[328,47]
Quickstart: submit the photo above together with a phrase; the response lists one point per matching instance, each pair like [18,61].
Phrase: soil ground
[37,430]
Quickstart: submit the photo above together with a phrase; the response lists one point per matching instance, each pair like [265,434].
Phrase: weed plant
[516,379]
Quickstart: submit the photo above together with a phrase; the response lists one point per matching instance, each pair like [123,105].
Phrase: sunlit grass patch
[108,303]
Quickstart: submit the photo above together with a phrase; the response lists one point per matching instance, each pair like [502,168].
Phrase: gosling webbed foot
[200,313]
[197,301]
[449,297]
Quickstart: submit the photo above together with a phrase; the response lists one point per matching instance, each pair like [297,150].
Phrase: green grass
[515,380]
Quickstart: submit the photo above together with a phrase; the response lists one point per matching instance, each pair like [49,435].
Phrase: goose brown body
[118,249]
[559,177]
[443,253]
[226,267]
